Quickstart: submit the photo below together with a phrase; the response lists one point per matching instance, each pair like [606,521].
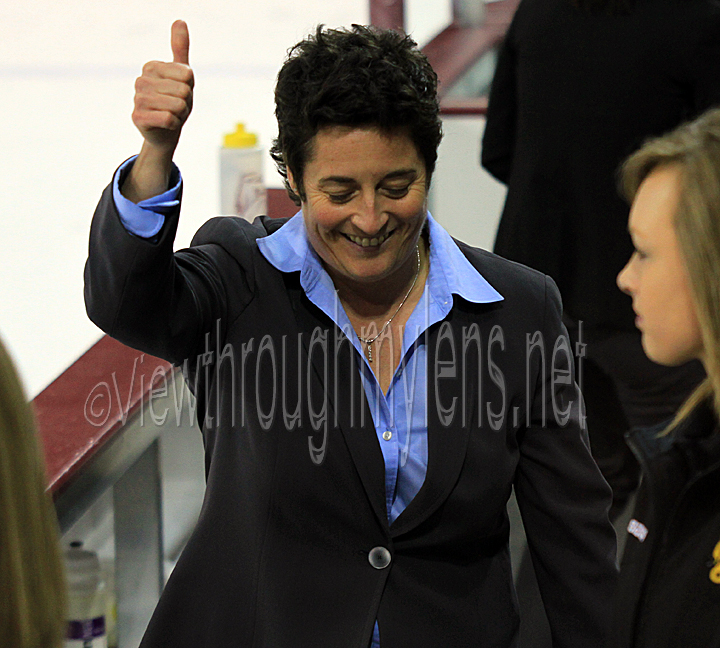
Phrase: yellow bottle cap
[240,138]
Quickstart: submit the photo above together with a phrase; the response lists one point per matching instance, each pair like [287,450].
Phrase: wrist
[150,174]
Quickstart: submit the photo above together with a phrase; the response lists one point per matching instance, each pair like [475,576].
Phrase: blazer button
[379,557]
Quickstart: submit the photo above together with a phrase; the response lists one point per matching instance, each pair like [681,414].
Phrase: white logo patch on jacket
[638,529]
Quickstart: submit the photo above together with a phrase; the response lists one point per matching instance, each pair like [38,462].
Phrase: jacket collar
[649,442]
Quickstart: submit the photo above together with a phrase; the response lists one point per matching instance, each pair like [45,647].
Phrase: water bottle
[242,192]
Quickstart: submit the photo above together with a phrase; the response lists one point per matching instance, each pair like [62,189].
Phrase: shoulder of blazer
[505,275]
[228,229]
[238,238]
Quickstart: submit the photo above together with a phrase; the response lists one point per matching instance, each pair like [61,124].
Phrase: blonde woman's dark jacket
[669,589]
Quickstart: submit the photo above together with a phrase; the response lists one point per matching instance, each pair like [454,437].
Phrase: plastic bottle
[86,599]
[242,191]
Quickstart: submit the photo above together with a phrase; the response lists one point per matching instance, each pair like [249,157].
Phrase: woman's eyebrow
[400,173]
[336,180]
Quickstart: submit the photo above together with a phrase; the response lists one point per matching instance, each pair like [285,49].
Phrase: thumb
[180,42]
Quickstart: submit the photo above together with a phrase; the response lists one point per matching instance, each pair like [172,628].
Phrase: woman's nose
[369,217]
[623,279]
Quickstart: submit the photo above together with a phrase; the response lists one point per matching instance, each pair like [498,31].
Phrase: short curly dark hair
[363,76]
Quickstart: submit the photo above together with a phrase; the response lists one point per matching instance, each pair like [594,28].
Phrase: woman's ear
[291,181]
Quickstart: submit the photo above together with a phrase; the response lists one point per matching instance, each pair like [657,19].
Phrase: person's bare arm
[163,101]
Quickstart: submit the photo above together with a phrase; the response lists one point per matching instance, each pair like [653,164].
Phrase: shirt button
[387,435]
[379,557]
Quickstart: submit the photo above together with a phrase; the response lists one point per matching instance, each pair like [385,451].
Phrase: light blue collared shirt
[400,416]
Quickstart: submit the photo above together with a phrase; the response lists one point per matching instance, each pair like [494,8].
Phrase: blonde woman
[669,592]
[32,588]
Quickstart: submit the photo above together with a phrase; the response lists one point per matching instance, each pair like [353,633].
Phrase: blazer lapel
[451,383]
[335,369]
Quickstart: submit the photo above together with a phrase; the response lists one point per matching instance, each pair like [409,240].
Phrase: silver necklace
[369,341]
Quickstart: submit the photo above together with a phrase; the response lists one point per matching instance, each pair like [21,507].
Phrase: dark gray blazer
[293,547]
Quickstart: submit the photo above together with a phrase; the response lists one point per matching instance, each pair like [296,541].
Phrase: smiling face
[656,277]
[365,204]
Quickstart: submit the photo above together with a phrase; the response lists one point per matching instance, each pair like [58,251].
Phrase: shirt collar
[288,250]
[452,272]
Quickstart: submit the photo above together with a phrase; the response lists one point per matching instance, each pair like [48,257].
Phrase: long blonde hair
[32,584]
[695,148]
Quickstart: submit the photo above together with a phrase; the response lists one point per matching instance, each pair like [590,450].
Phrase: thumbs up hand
[163,101]
[164,94]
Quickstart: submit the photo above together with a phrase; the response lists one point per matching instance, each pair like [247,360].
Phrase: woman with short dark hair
[366,388]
